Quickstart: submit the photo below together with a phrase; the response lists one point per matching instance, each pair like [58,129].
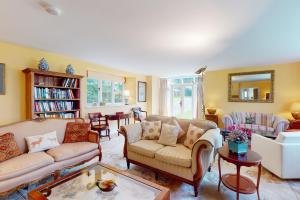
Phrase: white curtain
[200,109]
[164,97]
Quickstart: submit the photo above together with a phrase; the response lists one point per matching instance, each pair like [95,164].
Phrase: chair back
[136,111]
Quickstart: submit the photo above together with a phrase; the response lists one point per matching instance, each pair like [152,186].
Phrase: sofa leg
[128,163]
[196,185]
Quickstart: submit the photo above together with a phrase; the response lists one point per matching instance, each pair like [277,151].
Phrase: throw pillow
[8,147]
[42,142]
[76,132]
[193,134]
[169,135]
[173,121]
[250,120]
[151,130]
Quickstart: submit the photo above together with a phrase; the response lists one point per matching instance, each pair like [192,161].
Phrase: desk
[118,117]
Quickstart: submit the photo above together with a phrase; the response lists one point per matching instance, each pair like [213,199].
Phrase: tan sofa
[178,162]
[19,171]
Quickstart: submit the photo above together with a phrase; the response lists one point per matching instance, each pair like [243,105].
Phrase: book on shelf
[51,106]
[59,115]
[53,93]
[70,82]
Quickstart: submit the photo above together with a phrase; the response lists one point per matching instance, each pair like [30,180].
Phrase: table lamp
[126,96]
[295,110]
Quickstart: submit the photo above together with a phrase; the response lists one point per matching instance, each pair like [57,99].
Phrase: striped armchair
[266,123]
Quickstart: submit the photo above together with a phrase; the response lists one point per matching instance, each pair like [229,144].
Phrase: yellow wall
[17,58]
[286,90]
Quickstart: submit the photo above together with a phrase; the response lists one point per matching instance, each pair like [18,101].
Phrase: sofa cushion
[288,137]
[71,150]
[173,121]
[145,147]
[169,134]
[151,130]
[23,164]
[257,127]
[179,155]
[193,134]
[76,132]
[43,142]
[8,147]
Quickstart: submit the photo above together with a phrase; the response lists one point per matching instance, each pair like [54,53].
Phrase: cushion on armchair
[77,132]
[8,147]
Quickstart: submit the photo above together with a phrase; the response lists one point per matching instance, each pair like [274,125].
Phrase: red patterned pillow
[76,132]
[8,147]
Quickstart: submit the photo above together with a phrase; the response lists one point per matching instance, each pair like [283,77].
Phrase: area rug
[271,187]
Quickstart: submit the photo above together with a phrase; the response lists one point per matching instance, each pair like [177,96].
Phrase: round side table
[237,182]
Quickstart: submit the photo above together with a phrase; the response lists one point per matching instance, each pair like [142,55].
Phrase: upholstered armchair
[138,114]
[269,124]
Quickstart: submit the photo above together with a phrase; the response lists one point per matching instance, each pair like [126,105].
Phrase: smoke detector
[51,9]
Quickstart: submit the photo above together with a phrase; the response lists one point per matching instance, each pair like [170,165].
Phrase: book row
[53,93]
[59,115]
[42,106]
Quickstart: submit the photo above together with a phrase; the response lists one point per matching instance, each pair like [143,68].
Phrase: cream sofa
[280,156]
[178,162]
[17,172]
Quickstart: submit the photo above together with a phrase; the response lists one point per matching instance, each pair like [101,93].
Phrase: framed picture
[142,91]
[2,79]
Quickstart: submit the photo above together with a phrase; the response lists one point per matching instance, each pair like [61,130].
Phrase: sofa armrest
[280,125]
[132,133]
[227,121]
[204,151]
[93,137]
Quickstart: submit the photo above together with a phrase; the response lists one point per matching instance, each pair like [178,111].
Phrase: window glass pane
[106,91]
[188,80]
[92,91]
[176,81]
[118,91]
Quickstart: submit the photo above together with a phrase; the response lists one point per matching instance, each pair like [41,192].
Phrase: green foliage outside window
[92,91]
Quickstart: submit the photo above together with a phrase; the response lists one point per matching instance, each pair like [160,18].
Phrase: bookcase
[51,94]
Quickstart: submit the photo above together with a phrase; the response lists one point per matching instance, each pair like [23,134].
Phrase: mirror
[251,87]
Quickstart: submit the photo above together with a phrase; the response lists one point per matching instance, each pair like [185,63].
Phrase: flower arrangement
[238,139]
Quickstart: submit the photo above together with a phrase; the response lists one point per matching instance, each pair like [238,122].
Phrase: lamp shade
[126,93]
[295,110]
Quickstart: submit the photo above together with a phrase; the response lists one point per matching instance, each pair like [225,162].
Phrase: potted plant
[238,140]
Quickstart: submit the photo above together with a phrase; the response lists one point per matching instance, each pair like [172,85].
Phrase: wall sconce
[126,96]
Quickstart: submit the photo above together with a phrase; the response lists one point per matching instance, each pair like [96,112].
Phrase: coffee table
[237,182]
[80,185]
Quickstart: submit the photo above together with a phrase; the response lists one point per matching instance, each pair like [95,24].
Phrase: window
[104,92]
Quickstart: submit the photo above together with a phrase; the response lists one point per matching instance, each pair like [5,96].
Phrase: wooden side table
[237,182]
[213,118]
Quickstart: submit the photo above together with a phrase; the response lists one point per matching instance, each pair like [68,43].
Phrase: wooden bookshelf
[52,94]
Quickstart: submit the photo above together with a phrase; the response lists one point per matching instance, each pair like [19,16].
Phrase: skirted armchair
[266,123]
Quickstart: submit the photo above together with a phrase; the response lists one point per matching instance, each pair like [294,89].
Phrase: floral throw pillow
[8,147]
[193,134]
[151,130]
[76,132]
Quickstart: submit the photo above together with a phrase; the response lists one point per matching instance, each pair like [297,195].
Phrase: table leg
[220,176]
[238,168]
[258,180]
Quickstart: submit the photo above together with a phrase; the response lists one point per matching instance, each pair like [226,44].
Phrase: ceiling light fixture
[51,9]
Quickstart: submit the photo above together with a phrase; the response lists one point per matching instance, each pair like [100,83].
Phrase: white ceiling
[159,37]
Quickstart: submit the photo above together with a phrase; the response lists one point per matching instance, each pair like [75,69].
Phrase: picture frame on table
[142,91]
[2,79]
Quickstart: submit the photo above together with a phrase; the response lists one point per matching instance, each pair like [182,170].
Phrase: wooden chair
[138,114]
[99,123]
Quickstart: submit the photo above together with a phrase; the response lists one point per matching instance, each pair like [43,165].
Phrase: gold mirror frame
[271,100]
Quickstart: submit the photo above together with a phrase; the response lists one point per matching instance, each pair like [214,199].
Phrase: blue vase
[43,65]
[70,69]
[238,148]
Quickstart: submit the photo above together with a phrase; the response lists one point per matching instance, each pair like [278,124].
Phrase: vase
[238,148]
[43,65]
[70,69]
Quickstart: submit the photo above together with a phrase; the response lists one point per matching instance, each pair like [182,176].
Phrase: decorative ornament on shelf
[295,110]
[70,69]
[238,140]
[43,65]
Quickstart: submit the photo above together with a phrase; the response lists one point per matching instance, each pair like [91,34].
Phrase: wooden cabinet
[213,118]
[52,94]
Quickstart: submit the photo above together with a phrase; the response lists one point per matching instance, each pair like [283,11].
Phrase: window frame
[100,89]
